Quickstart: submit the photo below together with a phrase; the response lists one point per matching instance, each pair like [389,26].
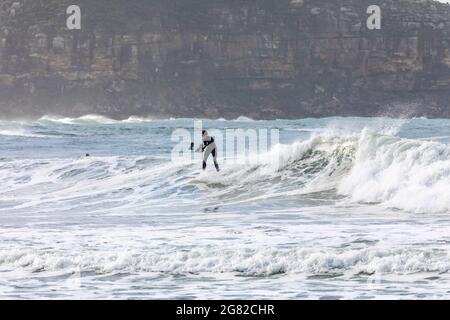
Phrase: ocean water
[341,208]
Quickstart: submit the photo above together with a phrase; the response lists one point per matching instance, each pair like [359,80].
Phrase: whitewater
[341,208]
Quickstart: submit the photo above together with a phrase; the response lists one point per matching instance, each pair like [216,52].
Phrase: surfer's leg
[216,164]
[206,154]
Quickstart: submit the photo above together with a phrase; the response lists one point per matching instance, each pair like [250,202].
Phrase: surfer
[208,147]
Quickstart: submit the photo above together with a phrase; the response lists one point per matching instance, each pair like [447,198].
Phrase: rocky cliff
[224,58]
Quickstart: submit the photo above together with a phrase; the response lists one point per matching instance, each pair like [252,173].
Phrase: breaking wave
[249,262]
[412,175]
[365,167]
[87,119]
[20,133]
[93,119]
[370,168]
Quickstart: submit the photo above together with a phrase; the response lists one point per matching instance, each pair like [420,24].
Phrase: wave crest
[87,119]
[412,175]
[249,262]
[368,168]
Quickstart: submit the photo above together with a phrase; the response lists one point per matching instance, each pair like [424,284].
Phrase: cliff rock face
[224,58]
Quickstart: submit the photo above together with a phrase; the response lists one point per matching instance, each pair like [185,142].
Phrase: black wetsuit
[209,147]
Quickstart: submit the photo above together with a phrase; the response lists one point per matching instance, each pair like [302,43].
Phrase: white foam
[366,167]
[244,119]
[86,119]
[135,119]
[302,167]
[20,133]
[412,175]
[254,262]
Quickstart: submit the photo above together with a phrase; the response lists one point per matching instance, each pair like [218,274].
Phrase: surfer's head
[204,133]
